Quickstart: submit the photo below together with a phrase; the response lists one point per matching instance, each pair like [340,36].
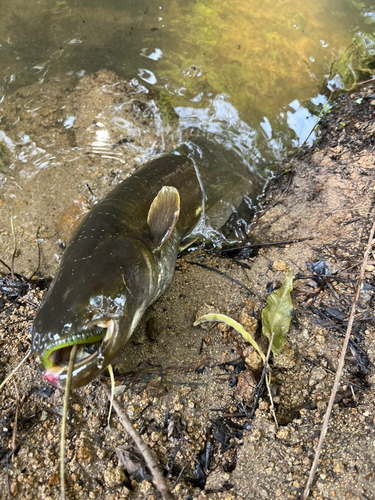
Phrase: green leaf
[221,318]
[277,314]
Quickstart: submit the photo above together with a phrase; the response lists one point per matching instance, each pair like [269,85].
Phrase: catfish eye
[91,348]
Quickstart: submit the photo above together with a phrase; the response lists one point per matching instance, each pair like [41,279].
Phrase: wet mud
[190,390]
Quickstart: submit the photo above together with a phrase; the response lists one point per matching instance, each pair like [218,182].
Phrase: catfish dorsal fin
[163,215]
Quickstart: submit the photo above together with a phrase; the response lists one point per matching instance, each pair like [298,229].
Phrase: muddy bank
[190,390]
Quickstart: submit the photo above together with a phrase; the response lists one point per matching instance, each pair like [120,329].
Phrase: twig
[5,265]
[73,353]
[162,370]
[258,391]
[14,248]
[366,81]
[179,477]
[151,461]
[38,267]
[10,375]
[268,381]
[15,418]
[11,452]
[6,479]
[268,244]
[221,274]
[339,369]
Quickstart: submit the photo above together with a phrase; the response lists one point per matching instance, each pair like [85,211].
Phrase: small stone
[297,450]
[252,359]
[246,385]
[54,480]
[216,479]
[119,389]
[279,265]
[43,416]
[134,412]
[85,453]
[312,283]
[338,467]
[282,434]
[286,359]
[263,405]
[145,488]
[248,321]
[114,476]
[13,489]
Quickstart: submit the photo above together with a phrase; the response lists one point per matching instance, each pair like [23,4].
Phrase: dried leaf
[277,314]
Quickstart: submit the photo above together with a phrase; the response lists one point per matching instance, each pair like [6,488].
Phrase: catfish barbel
[122,256]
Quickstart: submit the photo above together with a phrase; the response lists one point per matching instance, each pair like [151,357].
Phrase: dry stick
[151,461]
[268,380]
[366,81]
[10,375]
[15,418]
[73,353]
[6,479]
[14,248]
[339,369]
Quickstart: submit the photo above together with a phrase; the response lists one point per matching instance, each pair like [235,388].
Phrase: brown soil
[190,390]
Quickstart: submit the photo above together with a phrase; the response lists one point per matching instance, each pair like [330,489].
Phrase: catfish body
[120,260]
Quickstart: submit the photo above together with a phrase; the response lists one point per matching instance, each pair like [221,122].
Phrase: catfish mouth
[94,345]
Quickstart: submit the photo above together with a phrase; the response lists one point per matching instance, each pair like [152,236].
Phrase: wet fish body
[121,258]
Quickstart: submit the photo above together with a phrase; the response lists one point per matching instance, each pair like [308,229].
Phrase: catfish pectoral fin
[163,215]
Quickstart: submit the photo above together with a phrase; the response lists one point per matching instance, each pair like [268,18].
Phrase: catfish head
[110,273]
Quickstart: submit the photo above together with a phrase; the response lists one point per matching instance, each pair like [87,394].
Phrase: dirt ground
[190,391]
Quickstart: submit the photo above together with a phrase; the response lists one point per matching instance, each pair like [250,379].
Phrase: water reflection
[302,121]
[221,120]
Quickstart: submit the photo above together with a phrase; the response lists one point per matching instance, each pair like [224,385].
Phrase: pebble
[114,476]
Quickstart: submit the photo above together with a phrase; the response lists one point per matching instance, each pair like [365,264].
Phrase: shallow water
[250,74]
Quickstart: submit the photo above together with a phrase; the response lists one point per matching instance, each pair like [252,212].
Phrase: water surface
[252,75]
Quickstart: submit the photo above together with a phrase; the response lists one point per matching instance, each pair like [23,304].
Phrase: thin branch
[149,457]
[339,369]
[68,384]
[268,380]
[14,247]
[5,265]
[10,375]
[268,244]
[15,418]
[38,267]
[6,479]
[366,81]
[221,274]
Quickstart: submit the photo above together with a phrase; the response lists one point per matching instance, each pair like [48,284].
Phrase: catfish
[122,256]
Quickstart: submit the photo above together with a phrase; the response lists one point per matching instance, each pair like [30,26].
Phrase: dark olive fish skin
[120,259]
